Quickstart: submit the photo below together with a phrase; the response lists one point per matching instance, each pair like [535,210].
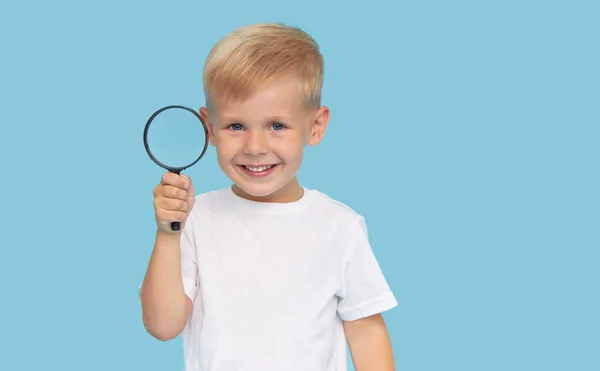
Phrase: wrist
[167,235]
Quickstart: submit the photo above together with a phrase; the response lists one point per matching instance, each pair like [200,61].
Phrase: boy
[265,275]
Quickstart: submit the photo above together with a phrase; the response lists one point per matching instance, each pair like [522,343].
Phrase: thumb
[190,184]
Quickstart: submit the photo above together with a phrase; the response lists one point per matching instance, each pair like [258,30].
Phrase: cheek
[224,146]
[291,150]
[224,154]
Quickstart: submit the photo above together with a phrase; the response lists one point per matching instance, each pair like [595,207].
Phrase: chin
[258,190]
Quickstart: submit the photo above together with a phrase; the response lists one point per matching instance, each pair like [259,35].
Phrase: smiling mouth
[258,171]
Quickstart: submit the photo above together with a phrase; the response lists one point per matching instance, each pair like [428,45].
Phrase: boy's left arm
[370,344]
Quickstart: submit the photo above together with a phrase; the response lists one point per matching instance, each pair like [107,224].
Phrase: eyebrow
[230,119]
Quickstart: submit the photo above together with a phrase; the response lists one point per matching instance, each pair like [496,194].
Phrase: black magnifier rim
[147,147]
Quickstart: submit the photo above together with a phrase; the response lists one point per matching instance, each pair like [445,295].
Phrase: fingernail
[186,185]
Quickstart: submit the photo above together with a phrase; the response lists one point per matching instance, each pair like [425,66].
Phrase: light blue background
[467,133]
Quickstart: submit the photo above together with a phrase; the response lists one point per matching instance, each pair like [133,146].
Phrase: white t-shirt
[271,282]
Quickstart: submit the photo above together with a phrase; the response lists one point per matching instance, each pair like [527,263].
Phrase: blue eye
[236,127]
[277,126]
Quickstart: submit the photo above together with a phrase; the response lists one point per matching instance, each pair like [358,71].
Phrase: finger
[167,216]
[171,204]
[175,180]
[168,191]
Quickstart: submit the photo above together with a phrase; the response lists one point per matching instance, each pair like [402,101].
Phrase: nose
[255,144]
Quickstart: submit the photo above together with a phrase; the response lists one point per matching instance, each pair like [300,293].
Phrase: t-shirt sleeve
[364,290]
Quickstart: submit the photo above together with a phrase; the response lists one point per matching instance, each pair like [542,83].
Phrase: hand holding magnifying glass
[178,138]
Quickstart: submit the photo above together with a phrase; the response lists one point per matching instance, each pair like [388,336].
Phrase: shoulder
[209,202]
[335,209]
[210,197]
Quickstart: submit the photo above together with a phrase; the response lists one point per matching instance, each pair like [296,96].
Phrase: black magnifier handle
[175,226]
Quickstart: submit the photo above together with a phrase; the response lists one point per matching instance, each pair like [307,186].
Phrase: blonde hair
[254,56]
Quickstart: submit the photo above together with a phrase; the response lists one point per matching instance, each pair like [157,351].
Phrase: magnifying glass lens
[176,138]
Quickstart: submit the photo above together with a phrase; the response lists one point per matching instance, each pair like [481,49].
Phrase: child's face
[260,141]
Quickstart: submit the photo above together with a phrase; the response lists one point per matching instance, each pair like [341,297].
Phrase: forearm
[164,303]
[374,355]
[370,344]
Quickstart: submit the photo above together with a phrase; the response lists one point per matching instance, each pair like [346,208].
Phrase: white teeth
[257,169]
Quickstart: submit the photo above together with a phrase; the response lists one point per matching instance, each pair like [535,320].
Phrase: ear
[209,124]
[319,126]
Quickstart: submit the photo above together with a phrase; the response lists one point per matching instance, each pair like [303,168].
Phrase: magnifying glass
[178,138]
